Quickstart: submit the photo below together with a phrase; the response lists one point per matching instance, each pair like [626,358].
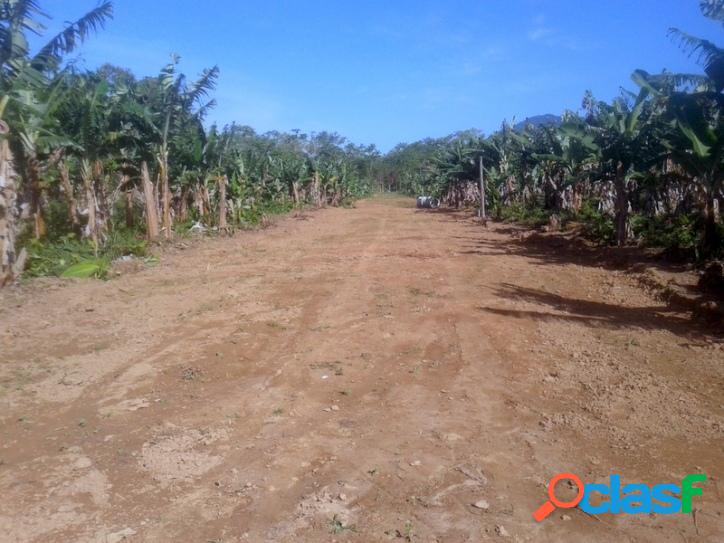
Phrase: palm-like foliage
[707,53]
[29,99]
[85,137]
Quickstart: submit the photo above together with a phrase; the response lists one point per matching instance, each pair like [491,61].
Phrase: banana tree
[625,136]
[23,74]
[571,151]
[706,52]
[695,141]
[175,104]
[87,118]
[697,144]
[38,143]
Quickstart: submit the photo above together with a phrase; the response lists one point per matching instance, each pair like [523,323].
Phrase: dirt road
[361,374]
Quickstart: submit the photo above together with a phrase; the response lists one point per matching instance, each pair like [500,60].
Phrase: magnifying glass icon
[548,507]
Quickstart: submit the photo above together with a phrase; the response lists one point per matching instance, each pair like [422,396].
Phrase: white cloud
[550,36]
[539,33]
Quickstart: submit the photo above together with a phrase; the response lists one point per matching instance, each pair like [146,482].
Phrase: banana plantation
[212,331]
[94,164]
[645,168]
[94,161]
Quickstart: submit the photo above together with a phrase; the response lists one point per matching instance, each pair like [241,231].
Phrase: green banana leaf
[86,268]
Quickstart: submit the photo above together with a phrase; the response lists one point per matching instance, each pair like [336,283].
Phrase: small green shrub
[532,217]
[54,257]
[68,256]
[123,242]
[678,235]
[597,226]
[253,215]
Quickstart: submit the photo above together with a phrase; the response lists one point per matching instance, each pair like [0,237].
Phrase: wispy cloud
[549,35]
[539,33]
[540,29]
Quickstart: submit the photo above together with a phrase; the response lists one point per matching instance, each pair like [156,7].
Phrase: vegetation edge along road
[94,162]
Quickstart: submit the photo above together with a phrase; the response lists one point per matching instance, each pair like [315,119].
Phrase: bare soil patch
[369,374]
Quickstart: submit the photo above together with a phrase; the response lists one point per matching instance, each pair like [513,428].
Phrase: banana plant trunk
[104,221]
[87,176]
[206,199]
[8,214]
[223,226]
[577,198]
[166,195]
[711,243]
[69,196]
[295,193]
[130,223]
[36,211]
[317,189]
[128,189]
[621,206]
[183,208]
[149,197]
[199,201]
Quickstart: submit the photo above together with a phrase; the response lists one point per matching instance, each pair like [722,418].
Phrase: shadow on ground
[565,248]
[611,316]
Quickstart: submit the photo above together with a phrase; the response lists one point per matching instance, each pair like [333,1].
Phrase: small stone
[501,531]
[415,463]
[565,517]
[122,535]
[481,504]
[82,463]
[335,408]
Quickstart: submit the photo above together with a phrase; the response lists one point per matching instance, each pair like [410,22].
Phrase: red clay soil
[366,374]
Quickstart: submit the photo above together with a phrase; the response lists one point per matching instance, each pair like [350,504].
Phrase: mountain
[538,120]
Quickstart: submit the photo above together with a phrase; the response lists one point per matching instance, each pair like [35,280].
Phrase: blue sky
[385,72]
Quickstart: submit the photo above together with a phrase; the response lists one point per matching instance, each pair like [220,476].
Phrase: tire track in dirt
[364,374]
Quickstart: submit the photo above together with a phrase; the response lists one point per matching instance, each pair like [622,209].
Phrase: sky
[393,71]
